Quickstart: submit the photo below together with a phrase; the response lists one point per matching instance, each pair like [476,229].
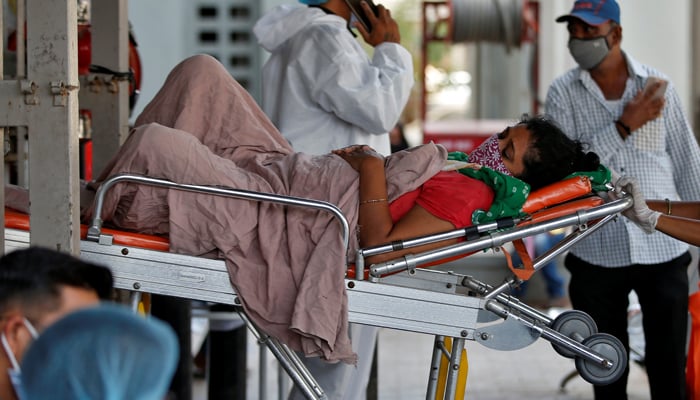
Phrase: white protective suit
[321,89]
[323,93]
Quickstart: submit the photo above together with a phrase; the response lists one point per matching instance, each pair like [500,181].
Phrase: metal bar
[438,237]
[95,229]
[104,95]
[262,378]
[497,239]
[552,335]
[438,348]
[299,366]
[452,374]
[290,362]
[53,129]
[21,37]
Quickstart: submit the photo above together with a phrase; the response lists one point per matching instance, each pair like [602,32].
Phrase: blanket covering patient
[287,264]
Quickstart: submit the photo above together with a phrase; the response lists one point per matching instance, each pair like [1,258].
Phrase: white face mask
[15,373]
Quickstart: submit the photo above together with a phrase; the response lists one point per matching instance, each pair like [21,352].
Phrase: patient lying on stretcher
[288,265]
[451,200]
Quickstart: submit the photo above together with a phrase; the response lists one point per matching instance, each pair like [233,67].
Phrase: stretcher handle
[469,233]
[497,239]
[94,231]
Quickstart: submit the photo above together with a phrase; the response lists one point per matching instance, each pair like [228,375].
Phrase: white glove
[640,214]
[614,176]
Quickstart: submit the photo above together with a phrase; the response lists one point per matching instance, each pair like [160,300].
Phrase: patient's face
[514,143]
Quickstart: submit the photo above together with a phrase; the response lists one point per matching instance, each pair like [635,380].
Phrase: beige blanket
[287,264]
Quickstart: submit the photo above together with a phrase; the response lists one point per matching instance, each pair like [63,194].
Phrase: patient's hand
[359,156]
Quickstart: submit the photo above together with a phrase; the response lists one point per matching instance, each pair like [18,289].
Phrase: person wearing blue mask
[632,116]
[104,352]
[323,92]
[37,287]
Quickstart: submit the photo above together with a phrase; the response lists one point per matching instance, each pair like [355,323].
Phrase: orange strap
[17,220]
[527,270]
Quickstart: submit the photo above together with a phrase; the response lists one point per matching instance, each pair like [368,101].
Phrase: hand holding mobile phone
[359,12]
[657,91]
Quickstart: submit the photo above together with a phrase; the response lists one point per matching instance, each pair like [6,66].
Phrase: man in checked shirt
[643,134]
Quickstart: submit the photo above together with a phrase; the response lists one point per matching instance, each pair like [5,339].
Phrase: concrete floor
[535,372]
[531,373]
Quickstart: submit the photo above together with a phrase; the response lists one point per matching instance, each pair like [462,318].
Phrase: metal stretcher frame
[398,295]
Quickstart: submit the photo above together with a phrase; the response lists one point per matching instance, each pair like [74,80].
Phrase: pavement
[534,372]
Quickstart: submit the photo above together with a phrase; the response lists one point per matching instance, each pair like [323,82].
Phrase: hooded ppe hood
[286,21]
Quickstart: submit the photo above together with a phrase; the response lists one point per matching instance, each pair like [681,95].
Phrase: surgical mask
[489,155]
[15,373]
[588,53]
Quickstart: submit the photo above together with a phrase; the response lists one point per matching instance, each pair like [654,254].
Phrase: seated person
[679,219]
[103,352]
[203,128]
[37,287]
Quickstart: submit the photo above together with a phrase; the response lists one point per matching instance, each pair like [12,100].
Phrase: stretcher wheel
[609,347]
[574,324]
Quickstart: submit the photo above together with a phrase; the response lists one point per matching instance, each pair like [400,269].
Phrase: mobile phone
[359,12]
[660,91]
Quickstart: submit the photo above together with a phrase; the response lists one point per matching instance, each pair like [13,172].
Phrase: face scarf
[489,155]
[588,53]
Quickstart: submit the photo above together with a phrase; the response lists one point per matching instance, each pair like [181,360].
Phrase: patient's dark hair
[552,155]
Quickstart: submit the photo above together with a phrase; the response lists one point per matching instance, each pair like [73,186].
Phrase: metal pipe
[453,373]
[497,239]
[95,229]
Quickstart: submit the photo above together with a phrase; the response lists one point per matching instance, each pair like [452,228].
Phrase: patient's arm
[375,223]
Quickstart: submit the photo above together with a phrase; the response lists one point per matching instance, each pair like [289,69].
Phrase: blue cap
[593,12]
[105,352]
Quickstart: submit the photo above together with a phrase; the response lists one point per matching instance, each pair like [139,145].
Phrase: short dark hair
[552,155]
[34,276]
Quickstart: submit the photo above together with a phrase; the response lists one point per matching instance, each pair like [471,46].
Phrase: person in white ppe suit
[323,92]
[320,88]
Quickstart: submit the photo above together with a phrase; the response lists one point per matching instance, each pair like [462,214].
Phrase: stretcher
[403,293]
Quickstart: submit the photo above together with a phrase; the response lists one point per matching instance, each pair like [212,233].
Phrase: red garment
[448,195]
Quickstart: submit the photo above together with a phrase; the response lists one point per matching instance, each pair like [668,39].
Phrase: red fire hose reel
[85,66]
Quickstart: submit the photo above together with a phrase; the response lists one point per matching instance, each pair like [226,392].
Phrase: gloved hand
[640,214]
[614,176]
